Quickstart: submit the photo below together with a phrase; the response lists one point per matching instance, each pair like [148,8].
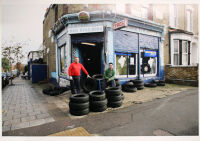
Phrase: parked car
[10,75]
[5,79]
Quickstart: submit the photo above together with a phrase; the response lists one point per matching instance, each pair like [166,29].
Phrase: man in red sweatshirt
[74,72]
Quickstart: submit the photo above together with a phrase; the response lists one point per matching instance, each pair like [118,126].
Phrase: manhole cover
[160,132]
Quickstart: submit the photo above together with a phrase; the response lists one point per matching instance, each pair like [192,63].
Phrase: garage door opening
[89,49]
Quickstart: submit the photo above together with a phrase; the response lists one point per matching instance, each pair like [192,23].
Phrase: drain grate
[160,132]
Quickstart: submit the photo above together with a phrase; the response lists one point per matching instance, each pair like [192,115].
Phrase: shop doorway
[91,58]
[89,48]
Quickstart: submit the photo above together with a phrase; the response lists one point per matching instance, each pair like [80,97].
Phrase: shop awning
[125,41]
[89,37]
[148,42]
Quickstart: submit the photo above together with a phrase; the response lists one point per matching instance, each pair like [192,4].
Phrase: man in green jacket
[110,75]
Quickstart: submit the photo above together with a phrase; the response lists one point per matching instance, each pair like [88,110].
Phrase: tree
[18,55]
[13,53]
[5,64]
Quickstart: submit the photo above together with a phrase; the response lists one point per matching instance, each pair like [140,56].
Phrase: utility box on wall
[39,72]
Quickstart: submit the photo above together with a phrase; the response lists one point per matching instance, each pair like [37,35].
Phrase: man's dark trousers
[76,83]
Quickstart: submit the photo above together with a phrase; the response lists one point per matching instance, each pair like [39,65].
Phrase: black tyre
[115,104]
[97,95]
[136,81]
[122,97]
[79,112]
[54,92]
[98,76]
[139,84]
[130,89]
[89,85]
[140,88]
[118,87]
[114,98]
[161,81]
[79,98]
[113,91]
[78,106]
[98,109]
[98,103]
[117,82]
[129,84]
[155,81]
[161,84]
[151,85]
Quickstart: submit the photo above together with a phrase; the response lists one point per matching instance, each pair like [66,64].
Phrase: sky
[22,22]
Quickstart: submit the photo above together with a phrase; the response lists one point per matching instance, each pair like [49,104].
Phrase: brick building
[181,32]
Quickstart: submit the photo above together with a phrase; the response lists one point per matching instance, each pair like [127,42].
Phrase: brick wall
[186,75]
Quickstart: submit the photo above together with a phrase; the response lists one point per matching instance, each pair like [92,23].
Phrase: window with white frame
[144,12]
[189,15]
[176,52]
[181,52]
[185,52]
[173,16]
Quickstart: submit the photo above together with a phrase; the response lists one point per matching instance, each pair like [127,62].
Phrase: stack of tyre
[115,96]
[89,85]
[151,85]
[129,87]
[117,82]
[100,80]
[98,101]
[138,83]
[79,104]
[159,82]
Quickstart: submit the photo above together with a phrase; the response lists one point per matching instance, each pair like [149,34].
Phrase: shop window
[62,60]
[125,64]
[181,52]
[148,62]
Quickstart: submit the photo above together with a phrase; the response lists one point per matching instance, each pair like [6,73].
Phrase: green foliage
[13,54]
[5,64]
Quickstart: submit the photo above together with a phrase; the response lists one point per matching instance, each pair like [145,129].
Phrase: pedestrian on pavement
[74,74]
[109,75]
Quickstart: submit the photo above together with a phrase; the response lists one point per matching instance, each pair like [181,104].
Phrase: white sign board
[77,30]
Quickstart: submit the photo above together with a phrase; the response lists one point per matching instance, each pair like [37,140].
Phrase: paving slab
[23,106]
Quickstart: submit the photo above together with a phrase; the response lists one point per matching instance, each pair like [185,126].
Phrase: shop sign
[150,53]
[83,16]
[120,24]
[85,29]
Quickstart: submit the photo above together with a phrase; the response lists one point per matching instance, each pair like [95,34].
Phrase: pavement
[23,107]
[28,112]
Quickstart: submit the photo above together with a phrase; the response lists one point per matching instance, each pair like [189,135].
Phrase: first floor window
[125,64]
[148,62]
[181,52]
[62,60]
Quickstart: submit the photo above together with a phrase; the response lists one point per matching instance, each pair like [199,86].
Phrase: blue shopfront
[136,50]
